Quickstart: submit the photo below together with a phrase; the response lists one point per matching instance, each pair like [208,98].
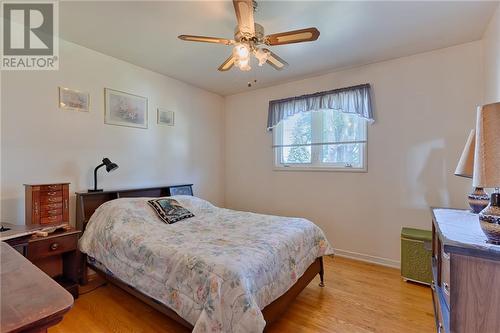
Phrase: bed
[219,271]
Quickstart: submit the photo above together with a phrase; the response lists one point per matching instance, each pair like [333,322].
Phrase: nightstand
[56,254]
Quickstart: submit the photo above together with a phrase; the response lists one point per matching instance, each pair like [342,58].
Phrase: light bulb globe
[241,51]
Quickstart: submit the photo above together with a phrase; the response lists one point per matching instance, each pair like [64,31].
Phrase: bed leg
[84,277]
[321,273]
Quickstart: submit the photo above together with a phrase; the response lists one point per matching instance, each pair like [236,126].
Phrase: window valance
[355,100]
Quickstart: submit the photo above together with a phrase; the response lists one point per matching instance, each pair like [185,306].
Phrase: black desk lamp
[110,166]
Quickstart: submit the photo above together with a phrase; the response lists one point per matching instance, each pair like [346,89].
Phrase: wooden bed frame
[87,203]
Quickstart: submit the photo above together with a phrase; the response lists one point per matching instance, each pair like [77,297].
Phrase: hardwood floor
[358,297]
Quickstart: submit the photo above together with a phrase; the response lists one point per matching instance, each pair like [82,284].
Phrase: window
[322,131]
[321,140]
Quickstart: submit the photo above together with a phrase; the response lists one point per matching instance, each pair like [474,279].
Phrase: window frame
[316,164]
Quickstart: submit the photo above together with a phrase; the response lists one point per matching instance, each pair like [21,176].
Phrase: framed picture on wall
[165,117]
[70,99]
[124,109]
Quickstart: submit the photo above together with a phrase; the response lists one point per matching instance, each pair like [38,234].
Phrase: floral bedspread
[217,270]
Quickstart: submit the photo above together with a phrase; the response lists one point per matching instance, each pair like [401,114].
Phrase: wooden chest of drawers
[466,273]
[47,203]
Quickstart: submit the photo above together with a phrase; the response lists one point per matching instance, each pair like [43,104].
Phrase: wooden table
[30,300]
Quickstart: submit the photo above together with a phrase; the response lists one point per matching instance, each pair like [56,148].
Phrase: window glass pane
[297,130]
[341,127]
[316,128]
[293,155]
[343,154]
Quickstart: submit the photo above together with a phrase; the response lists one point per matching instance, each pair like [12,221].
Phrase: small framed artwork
[165,117]
[124,109]
[70,99]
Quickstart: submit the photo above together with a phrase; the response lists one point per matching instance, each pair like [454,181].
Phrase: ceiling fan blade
[275,61]
[227,65]
[289,37]
[217,40]
[244,15]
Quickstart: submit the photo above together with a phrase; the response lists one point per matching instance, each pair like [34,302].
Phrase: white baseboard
[368,258]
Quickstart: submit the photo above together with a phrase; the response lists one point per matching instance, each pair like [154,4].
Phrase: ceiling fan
[249,36]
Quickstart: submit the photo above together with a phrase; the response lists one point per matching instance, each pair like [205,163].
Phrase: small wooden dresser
[47,203]
[466,274]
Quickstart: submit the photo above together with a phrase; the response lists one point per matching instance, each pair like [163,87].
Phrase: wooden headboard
[87,203]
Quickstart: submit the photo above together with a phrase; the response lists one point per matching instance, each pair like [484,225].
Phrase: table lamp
[110,166]
[487,167]
[478,199]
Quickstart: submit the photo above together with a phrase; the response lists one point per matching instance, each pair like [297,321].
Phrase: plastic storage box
[416,254]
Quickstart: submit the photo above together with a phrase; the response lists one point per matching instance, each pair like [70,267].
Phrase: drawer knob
[446,288]
[54,246]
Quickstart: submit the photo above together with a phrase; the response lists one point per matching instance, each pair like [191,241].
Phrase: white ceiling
[352,33]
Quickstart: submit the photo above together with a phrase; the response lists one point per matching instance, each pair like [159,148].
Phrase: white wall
[424,107]
[41,143]
[491,51]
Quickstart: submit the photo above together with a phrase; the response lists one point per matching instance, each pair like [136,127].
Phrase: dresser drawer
[50,194]
[51,212]
[50,200]
[445,276]
[439,311]
[52,206]
[55,187]
[52,246]
[51,219]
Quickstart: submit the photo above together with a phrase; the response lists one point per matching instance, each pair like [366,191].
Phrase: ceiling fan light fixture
[241,54]
[246,67]
[243,64]
[248,35]
[261,56]
[241,51]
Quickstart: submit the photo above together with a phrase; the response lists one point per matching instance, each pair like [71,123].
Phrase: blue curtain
[355,100]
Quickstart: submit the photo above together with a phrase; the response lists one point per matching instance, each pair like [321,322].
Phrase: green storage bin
[416,254]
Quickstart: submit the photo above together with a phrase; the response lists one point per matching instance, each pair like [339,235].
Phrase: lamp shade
[487,148]
[110,166]
[465,167]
